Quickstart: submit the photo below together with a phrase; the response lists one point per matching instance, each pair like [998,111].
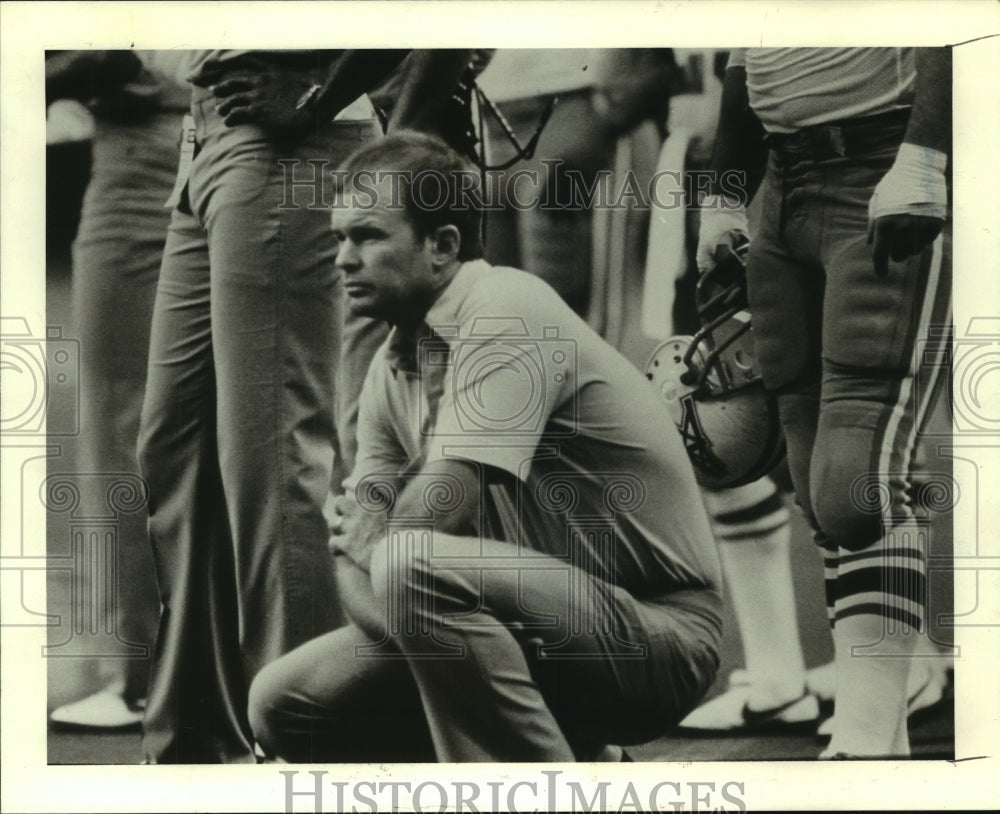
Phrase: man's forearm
[431,78]
[354,586]
[930,119]
[357,71]
[739,138]
[84,75]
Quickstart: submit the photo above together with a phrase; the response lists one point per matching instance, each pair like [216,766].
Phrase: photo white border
[28,29]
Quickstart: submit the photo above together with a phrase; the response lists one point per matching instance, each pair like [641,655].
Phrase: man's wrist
[307,101]
[914,185]
[920,156]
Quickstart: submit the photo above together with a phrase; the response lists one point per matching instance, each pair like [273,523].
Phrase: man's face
[386,268]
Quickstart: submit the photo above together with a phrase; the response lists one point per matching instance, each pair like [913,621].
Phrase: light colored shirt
[513,379]
[169,68]
[792,88]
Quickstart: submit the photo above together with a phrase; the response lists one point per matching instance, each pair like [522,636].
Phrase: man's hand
[908,207]
[345,514]
[723,227]
[354,532]
[267,97]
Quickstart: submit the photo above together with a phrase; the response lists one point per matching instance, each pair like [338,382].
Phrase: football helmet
[712,386]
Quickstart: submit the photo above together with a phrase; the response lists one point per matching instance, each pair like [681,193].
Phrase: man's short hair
[437,186]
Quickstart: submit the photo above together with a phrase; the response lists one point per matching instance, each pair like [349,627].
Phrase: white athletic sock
[873,659]
[759,581]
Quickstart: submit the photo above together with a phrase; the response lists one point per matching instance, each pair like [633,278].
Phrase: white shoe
[729,712]
[103,710]
[925,689]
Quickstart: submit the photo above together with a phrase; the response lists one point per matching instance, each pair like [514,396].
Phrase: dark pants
[847,353]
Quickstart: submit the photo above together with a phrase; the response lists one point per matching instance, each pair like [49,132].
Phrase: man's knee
[849,496]
[401,563]
[409,572]
[846,507]
[266,708]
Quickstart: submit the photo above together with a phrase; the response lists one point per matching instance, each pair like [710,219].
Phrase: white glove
[914,185]
[723,221]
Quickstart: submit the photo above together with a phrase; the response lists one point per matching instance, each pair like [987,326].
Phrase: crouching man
[524,554]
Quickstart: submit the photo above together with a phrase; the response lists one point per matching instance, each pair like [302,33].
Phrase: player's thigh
[876,390]
[875,322]
[785,296]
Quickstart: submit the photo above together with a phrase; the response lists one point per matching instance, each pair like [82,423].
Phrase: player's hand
[723,228]
[899,237]
[908,207]
[267,97]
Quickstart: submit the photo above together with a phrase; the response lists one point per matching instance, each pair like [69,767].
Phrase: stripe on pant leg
[892,456]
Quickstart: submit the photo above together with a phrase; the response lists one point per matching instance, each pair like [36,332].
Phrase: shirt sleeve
[511,368]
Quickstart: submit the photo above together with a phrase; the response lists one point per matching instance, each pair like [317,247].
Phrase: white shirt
[792,88]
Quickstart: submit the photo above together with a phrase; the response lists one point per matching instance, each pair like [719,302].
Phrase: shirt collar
[401,349]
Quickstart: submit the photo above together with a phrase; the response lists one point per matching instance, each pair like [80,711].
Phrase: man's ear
[446,242]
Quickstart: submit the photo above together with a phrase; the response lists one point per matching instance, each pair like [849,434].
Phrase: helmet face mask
[713,389]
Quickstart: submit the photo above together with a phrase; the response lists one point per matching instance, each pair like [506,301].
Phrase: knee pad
[851,499]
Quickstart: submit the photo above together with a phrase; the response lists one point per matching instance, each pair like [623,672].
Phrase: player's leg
[751,525]
[530,658]
[786,290]
[329,702]
[873,409]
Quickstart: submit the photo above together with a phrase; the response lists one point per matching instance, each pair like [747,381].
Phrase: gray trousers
[237,438]
[116,261]
[491,655]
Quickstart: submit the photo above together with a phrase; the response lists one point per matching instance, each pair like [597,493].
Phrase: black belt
[846,137]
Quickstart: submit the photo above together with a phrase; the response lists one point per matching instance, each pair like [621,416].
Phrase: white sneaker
[925,689]
[729,713]
[103,710]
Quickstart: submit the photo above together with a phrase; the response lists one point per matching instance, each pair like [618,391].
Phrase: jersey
[792,88]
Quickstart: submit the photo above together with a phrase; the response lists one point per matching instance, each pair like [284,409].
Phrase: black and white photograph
[586,421]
